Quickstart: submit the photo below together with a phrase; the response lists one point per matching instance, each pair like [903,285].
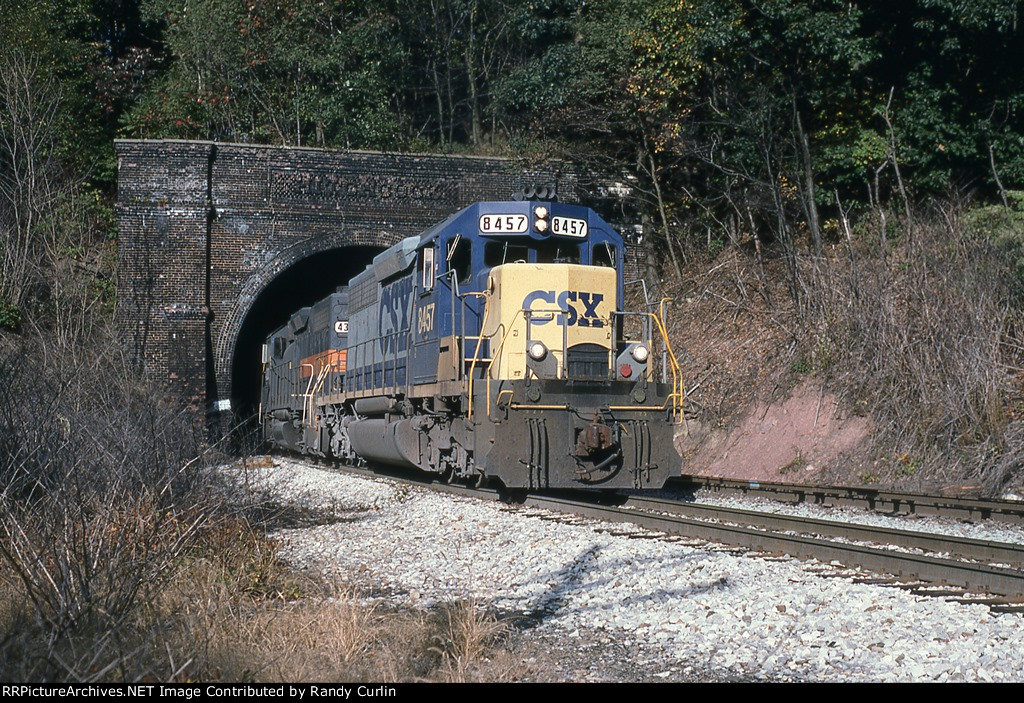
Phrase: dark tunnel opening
[304,283]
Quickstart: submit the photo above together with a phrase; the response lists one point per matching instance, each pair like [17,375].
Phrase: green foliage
[539,86]
[287,72]
[732,117]
[798,463]
[51,39]
[10,315]
[715,246]
[678,46]
[906,466]
[868,477]
[55,153]
[957,91]
[719,92]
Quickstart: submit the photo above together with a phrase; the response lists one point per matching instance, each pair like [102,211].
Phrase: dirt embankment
[754,410]
[798,438]
[854,368]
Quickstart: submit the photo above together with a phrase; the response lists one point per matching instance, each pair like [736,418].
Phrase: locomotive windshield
[498,253]
[543,252]
[553,251]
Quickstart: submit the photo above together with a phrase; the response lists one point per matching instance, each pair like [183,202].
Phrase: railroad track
[961,548]
[956,506]
[967,566]
[967,570]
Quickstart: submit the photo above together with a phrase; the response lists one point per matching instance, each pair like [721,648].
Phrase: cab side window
[460,258]
[603,254]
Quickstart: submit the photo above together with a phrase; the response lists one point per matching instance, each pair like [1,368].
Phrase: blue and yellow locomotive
[494,345]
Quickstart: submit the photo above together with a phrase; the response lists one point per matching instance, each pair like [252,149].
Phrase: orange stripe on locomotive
[335,358]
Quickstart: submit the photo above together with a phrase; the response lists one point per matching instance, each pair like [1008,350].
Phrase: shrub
[101,493]
[924,336]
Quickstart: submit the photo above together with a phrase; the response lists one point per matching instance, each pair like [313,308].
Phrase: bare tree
[31,181]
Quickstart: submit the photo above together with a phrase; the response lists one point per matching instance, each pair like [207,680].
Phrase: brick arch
[226,346]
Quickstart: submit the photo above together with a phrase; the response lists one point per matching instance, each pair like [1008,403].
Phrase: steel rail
[863,496]
[968,575]
[981,550]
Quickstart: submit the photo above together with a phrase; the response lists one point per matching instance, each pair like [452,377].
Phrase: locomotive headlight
[537,351]
[640,353]
[540,212]
[541,226]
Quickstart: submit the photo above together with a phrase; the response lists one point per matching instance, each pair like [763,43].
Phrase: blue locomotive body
[492,345]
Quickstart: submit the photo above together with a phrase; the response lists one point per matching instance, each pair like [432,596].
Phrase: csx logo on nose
[589,302]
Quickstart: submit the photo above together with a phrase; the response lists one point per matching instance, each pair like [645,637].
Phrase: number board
[504,224]
[568,226]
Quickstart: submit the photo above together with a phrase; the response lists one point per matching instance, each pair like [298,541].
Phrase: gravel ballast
[682,609]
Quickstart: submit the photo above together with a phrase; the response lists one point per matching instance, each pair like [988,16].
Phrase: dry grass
[467,635]
[923,335]
[917,325]
[122,557]
[259,621]
[232,611]
[102,493]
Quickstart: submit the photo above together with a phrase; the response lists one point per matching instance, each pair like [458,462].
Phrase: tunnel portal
[306,282]
[218,243]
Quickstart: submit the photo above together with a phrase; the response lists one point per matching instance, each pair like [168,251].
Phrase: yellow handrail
[476,352]
[495,353]
[678,393]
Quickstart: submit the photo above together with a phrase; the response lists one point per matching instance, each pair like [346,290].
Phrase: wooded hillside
[863,162]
